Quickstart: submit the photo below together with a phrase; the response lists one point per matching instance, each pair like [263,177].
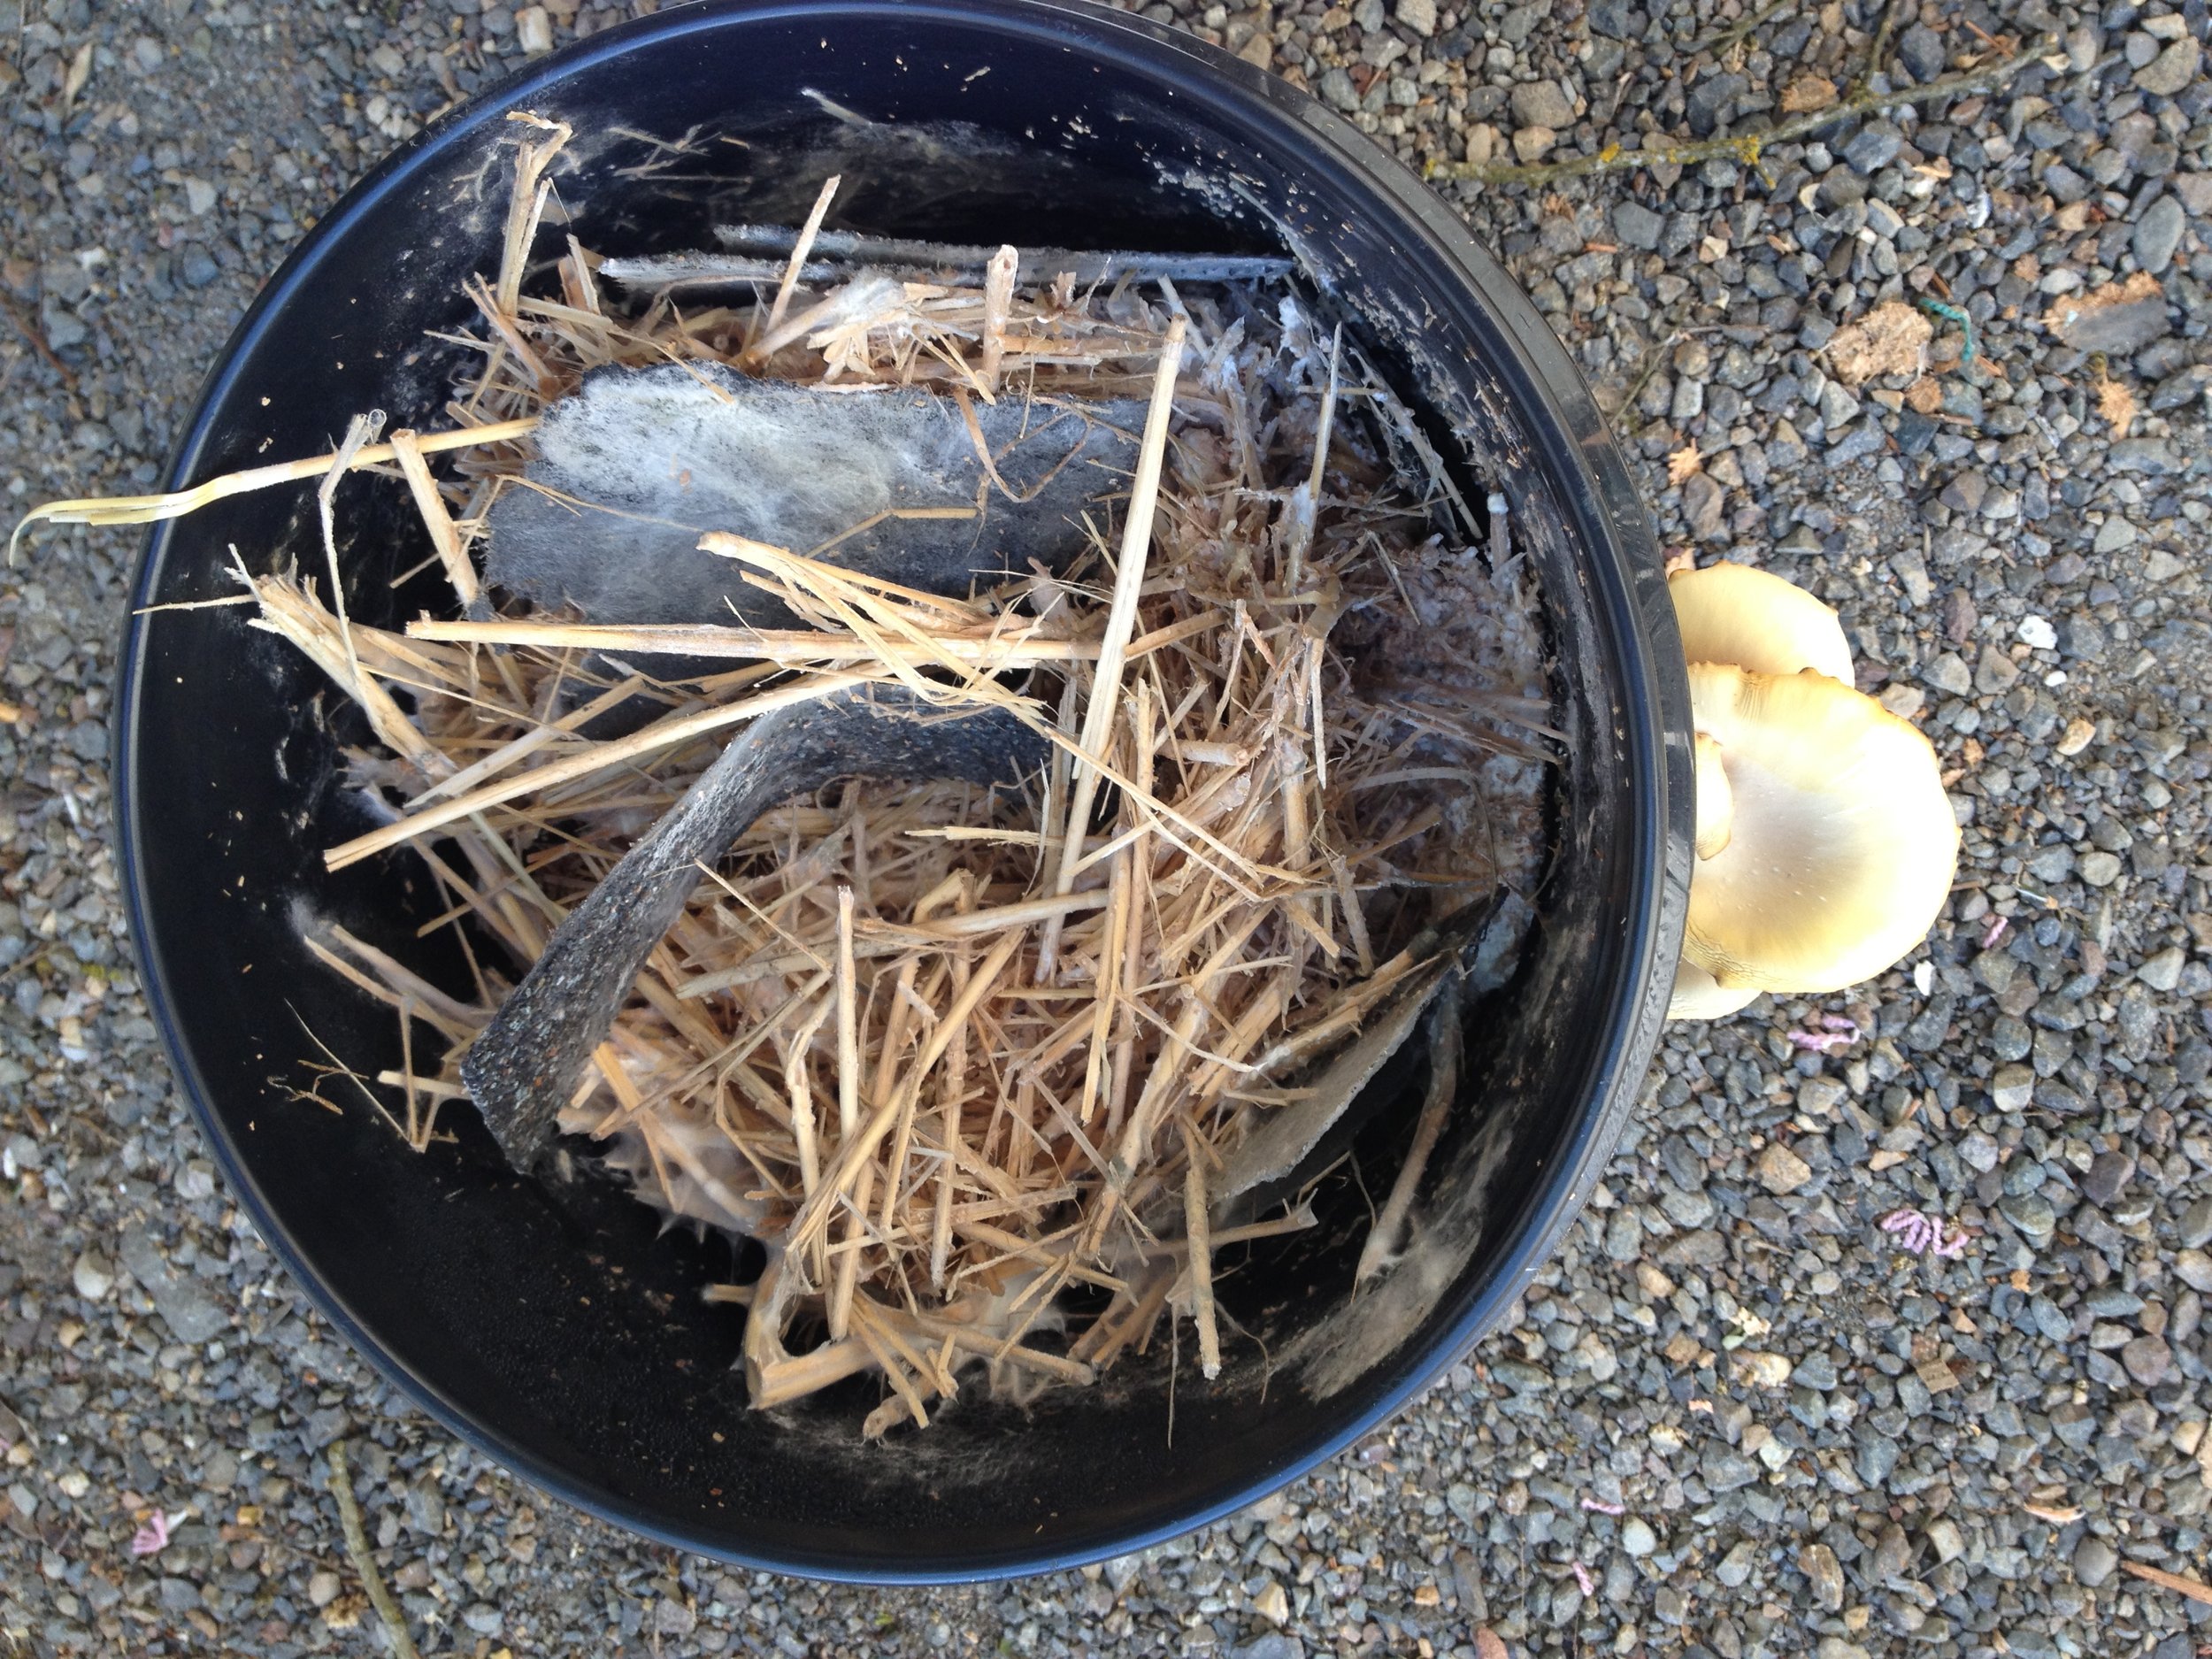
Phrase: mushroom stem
[1699,995]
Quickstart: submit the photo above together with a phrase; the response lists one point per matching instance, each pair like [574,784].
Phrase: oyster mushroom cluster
[1825,845]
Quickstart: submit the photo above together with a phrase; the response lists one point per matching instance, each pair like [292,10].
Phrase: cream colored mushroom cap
[1841,845]
[1730,613]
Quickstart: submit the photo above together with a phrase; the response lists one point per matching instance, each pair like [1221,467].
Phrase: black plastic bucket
[555,1331]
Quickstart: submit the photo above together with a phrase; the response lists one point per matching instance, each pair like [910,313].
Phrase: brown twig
[2190,1587]
[31,332]
[1876,50]
[1745,147]
[364,1563]
[1721,40]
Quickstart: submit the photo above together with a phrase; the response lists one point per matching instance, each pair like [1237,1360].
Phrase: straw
[946,1052]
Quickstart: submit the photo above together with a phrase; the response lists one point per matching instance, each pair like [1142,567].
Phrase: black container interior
[557,1329]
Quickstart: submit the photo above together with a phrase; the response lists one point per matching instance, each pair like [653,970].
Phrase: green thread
[1952,313]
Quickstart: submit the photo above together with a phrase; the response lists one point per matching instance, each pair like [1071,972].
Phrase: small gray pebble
[2158,233]
[2094,1562]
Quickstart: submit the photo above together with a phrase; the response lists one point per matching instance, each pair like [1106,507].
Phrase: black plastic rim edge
[1550,393]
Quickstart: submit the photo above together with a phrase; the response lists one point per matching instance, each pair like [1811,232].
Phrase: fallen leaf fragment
[1891,339]
[2116,404]
[80,71]
[2174,1581]
[1684,464]
[2056,1514]
[1807,94]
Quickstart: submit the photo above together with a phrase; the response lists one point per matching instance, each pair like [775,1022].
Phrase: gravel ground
[1737,1417]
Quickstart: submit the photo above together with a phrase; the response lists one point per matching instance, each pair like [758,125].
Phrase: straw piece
[998,303]
[801,646]
[407,447]
[661,734]
[128,510]
[1121,618]
[1444,1050]
[847,1021]
[526,204]
[359,431]
[797,261]
[1202,1267]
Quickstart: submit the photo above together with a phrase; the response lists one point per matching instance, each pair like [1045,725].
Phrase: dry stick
[1721,40]
[903,1008]
[660,734]
[288,610]
[1291,766]
[799,252]
[1121,621]
[2173,1581]
[1444,1047]
[1121,901]
[29,330]
[1875,53]
[1202,1261]
[122,510]
[1111,947]
[1746,147]
[364,1563]
[443,536]
[848,1281]
[584,289]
